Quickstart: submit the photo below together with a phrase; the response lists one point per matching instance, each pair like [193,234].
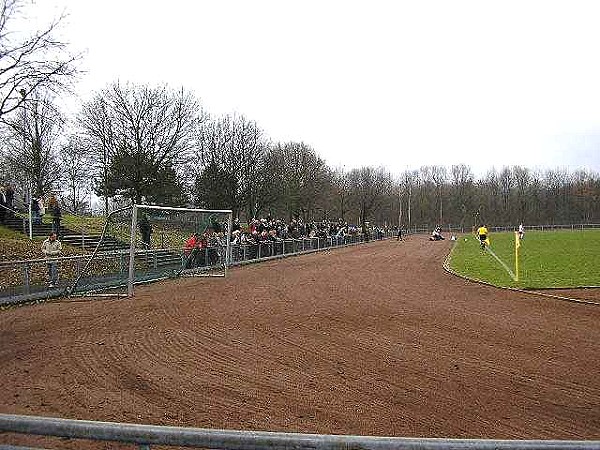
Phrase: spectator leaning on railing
[52,248]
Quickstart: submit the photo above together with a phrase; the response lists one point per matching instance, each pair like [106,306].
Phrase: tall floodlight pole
[409,206]
[399,208]
[132,251]
[23,94]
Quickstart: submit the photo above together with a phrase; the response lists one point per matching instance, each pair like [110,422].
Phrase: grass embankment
[88,225]
[547,259]
[16,246]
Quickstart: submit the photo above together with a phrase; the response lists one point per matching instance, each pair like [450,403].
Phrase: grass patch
[548,259]
[88,225]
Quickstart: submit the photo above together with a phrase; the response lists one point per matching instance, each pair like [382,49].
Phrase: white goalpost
[167,241]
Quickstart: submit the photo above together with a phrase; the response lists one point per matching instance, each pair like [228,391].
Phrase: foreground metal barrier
[146,435]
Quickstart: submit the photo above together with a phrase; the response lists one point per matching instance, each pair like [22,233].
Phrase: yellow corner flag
[517,245]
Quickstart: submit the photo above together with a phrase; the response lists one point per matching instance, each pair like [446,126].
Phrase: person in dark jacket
[145,230]
[9,197]
[54,207]
[36,218]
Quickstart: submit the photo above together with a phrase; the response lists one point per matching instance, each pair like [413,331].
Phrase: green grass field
[547,259]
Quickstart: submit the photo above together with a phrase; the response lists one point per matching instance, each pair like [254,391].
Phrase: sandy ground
[368,340]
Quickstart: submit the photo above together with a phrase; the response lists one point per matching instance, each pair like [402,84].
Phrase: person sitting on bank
[436,235]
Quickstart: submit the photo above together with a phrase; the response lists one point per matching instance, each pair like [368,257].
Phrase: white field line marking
[510,272]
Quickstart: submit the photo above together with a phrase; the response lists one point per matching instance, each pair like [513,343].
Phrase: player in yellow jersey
[482,234]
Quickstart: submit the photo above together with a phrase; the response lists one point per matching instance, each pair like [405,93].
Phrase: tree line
[157,145]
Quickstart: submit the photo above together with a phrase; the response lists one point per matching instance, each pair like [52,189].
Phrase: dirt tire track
[368,340]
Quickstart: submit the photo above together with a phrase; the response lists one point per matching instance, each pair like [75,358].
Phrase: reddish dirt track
[368,340]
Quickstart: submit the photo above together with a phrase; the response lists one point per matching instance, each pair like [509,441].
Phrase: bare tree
[30,62]
[230,153]
[439,175]
[522,198]
[305,178]
[31,144]
[462,192]
[409,179]
[341,192]
[586,193]
[77,170]
[142,136]
[96,124]
[370,187]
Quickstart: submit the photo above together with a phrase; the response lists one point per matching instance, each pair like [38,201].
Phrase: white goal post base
[161,243]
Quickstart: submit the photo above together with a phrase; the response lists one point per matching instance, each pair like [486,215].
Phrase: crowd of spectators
[269,229]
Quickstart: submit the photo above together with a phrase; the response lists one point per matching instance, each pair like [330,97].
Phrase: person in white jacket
[521,231]
[52,248]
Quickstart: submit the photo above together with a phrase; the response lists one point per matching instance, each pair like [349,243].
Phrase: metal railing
[146,435]
[243,252]
[27,280]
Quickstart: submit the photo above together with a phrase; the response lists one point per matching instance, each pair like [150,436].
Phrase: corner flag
[517,245]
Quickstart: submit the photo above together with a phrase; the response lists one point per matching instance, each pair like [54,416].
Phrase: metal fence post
[26,278]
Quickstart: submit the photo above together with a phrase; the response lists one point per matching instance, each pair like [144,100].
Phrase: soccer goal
[143,243]
[167,242]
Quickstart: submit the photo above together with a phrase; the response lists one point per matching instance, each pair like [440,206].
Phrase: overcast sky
[399,84]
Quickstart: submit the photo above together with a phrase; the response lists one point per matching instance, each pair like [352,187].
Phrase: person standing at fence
[52,248]
[145,230]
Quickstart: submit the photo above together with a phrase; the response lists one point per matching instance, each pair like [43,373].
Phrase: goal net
[143,243]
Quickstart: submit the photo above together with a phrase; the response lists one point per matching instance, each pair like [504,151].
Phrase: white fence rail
[147,435]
